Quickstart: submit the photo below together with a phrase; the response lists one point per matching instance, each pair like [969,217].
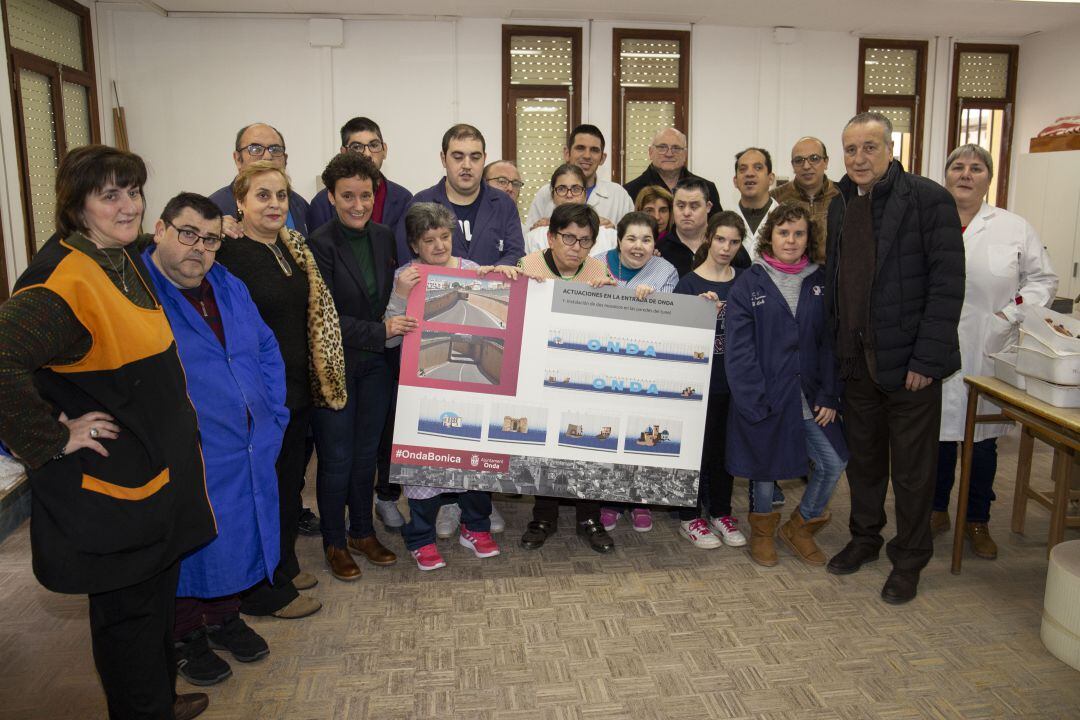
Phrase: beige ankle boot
[762,538]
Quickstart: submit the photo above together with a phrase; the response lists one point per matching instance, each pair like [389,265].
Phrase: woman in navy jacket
[784,386]
[357,259]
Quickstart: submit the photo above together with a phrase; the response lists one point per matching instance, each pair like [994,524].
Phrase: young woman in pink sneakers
[429,230]
[712,279]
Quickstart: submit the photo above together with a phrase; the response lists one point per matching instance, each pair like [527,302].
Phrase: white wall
[188,83]
[1048,85]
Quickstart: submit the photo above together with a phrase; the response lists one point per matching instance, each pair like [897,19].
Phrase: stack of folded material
[1048,357]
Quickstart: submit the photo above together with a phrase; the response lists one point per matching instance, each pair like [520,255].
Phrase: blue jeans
[420,530]
[347,441]
[827,468]
[983,470]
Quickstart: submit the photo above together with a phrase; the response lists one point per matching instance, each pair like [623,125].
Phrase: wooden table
[1057,427]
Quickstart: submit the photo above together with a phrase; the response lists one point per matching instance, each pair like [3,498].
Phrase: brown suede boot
[798,534]
[762,538]
[978,534]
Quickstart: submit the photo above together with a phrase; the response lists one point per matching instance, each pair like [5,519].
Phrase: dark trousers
[265,597]
[131,630]
[901,426]
[193,613]
[547,508]
[983,470]
[420,530]
[714,482]
[384,489]
[347,442]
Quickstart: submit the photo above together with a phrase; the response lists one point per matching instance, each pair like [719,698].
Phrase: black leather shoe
[851,558]
[537,533]
[595,534]
[901,587]
[309,523]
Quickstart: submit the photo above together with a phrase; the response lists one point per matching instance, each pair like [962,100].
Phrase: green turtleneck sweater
[360,244]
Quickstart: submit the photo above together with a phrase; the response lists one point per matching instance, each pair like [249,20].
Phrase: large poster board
[553,388]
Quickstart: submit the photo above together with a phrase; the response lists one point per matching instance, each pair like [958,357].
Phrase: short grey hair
[870,117]
[978,151]
[425,216]
[677,131]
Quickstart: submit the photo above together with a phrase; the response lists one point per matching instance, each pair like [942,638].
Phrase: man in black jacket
[667,166]
[894,290]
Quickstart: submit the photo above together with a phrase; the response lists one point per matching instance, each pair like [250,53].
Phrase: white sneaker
[388,512]
[727,528]
[698,533]
[447,521]
[497,522]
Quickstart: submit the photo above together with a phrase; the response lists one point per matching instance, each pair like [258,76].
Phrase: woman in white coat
[1007,269]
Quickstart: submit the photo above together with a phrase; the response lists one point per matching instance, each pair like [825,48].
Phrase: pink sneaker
[428,557]
[608,518]
[479,542]
[641,519]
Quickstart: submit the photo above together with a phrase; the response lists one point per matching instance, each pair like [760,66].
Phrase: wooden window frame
[3,265]
[956,104]
[915,103]
[58,74]
[512,93]
[620,95]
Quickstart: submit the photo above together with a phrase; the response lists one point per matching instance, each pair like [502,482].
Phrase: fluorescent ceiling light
[654,54]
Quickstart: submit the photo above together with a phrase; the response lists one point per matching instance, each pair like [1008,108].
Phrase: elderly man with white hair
[667,166]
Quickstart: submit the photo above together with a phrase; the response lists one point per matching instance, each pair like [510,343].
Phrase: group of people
[166,390]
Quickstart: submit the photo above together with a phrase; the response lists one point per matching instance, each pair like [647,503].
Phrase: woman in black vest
[284,281]
[94,401]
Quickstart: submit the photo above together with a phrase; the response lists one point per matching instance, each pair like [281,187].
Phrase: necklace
[123,267]
[283,265]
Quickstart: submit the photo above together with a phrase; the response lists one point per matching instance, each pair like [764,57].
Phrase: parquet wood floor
[656,630]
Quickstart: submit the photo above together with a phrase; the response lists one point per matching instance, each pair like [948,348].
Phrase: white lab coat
[752,238]
[608,199]
[537,239]
[1004,258]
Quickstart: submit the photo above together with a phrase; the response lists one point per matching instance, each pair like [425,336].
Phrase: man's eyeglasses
[569,190]
[666,149]
[257,150]
[189,237]
[375,146]
[799,160]
[505,182]
[569,239]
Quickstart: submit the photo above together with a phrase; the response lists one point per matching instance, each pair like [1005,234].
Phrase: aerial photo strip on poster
[552,388]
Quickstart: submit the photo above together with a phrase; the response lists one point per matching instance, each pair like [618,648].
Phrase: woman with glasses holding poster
[785,389]
[571,236]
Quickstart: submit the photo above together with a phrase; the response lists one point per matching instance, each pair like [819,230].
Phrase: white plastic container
[1063,396]
[1047,365]
[1035,318]
[1005,369]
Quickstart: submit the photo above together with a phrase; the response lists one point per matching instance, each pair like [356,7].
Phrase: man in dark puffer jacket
[894,290]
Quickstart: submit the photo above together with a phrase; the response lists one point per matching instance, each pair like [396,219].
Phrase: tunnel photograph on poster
[552,388]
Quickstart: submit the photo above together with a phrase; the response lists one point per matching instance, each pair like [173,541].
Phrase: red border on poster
[511,335]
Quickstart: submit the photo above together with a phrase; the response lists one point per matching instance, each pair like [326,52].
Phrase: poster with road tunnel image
[470,331]
[607,399]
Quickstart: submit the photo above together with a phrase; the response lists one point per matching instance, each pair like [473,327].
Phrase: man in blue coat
[260,141]
[362,136]
[236,381]
[489,227]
